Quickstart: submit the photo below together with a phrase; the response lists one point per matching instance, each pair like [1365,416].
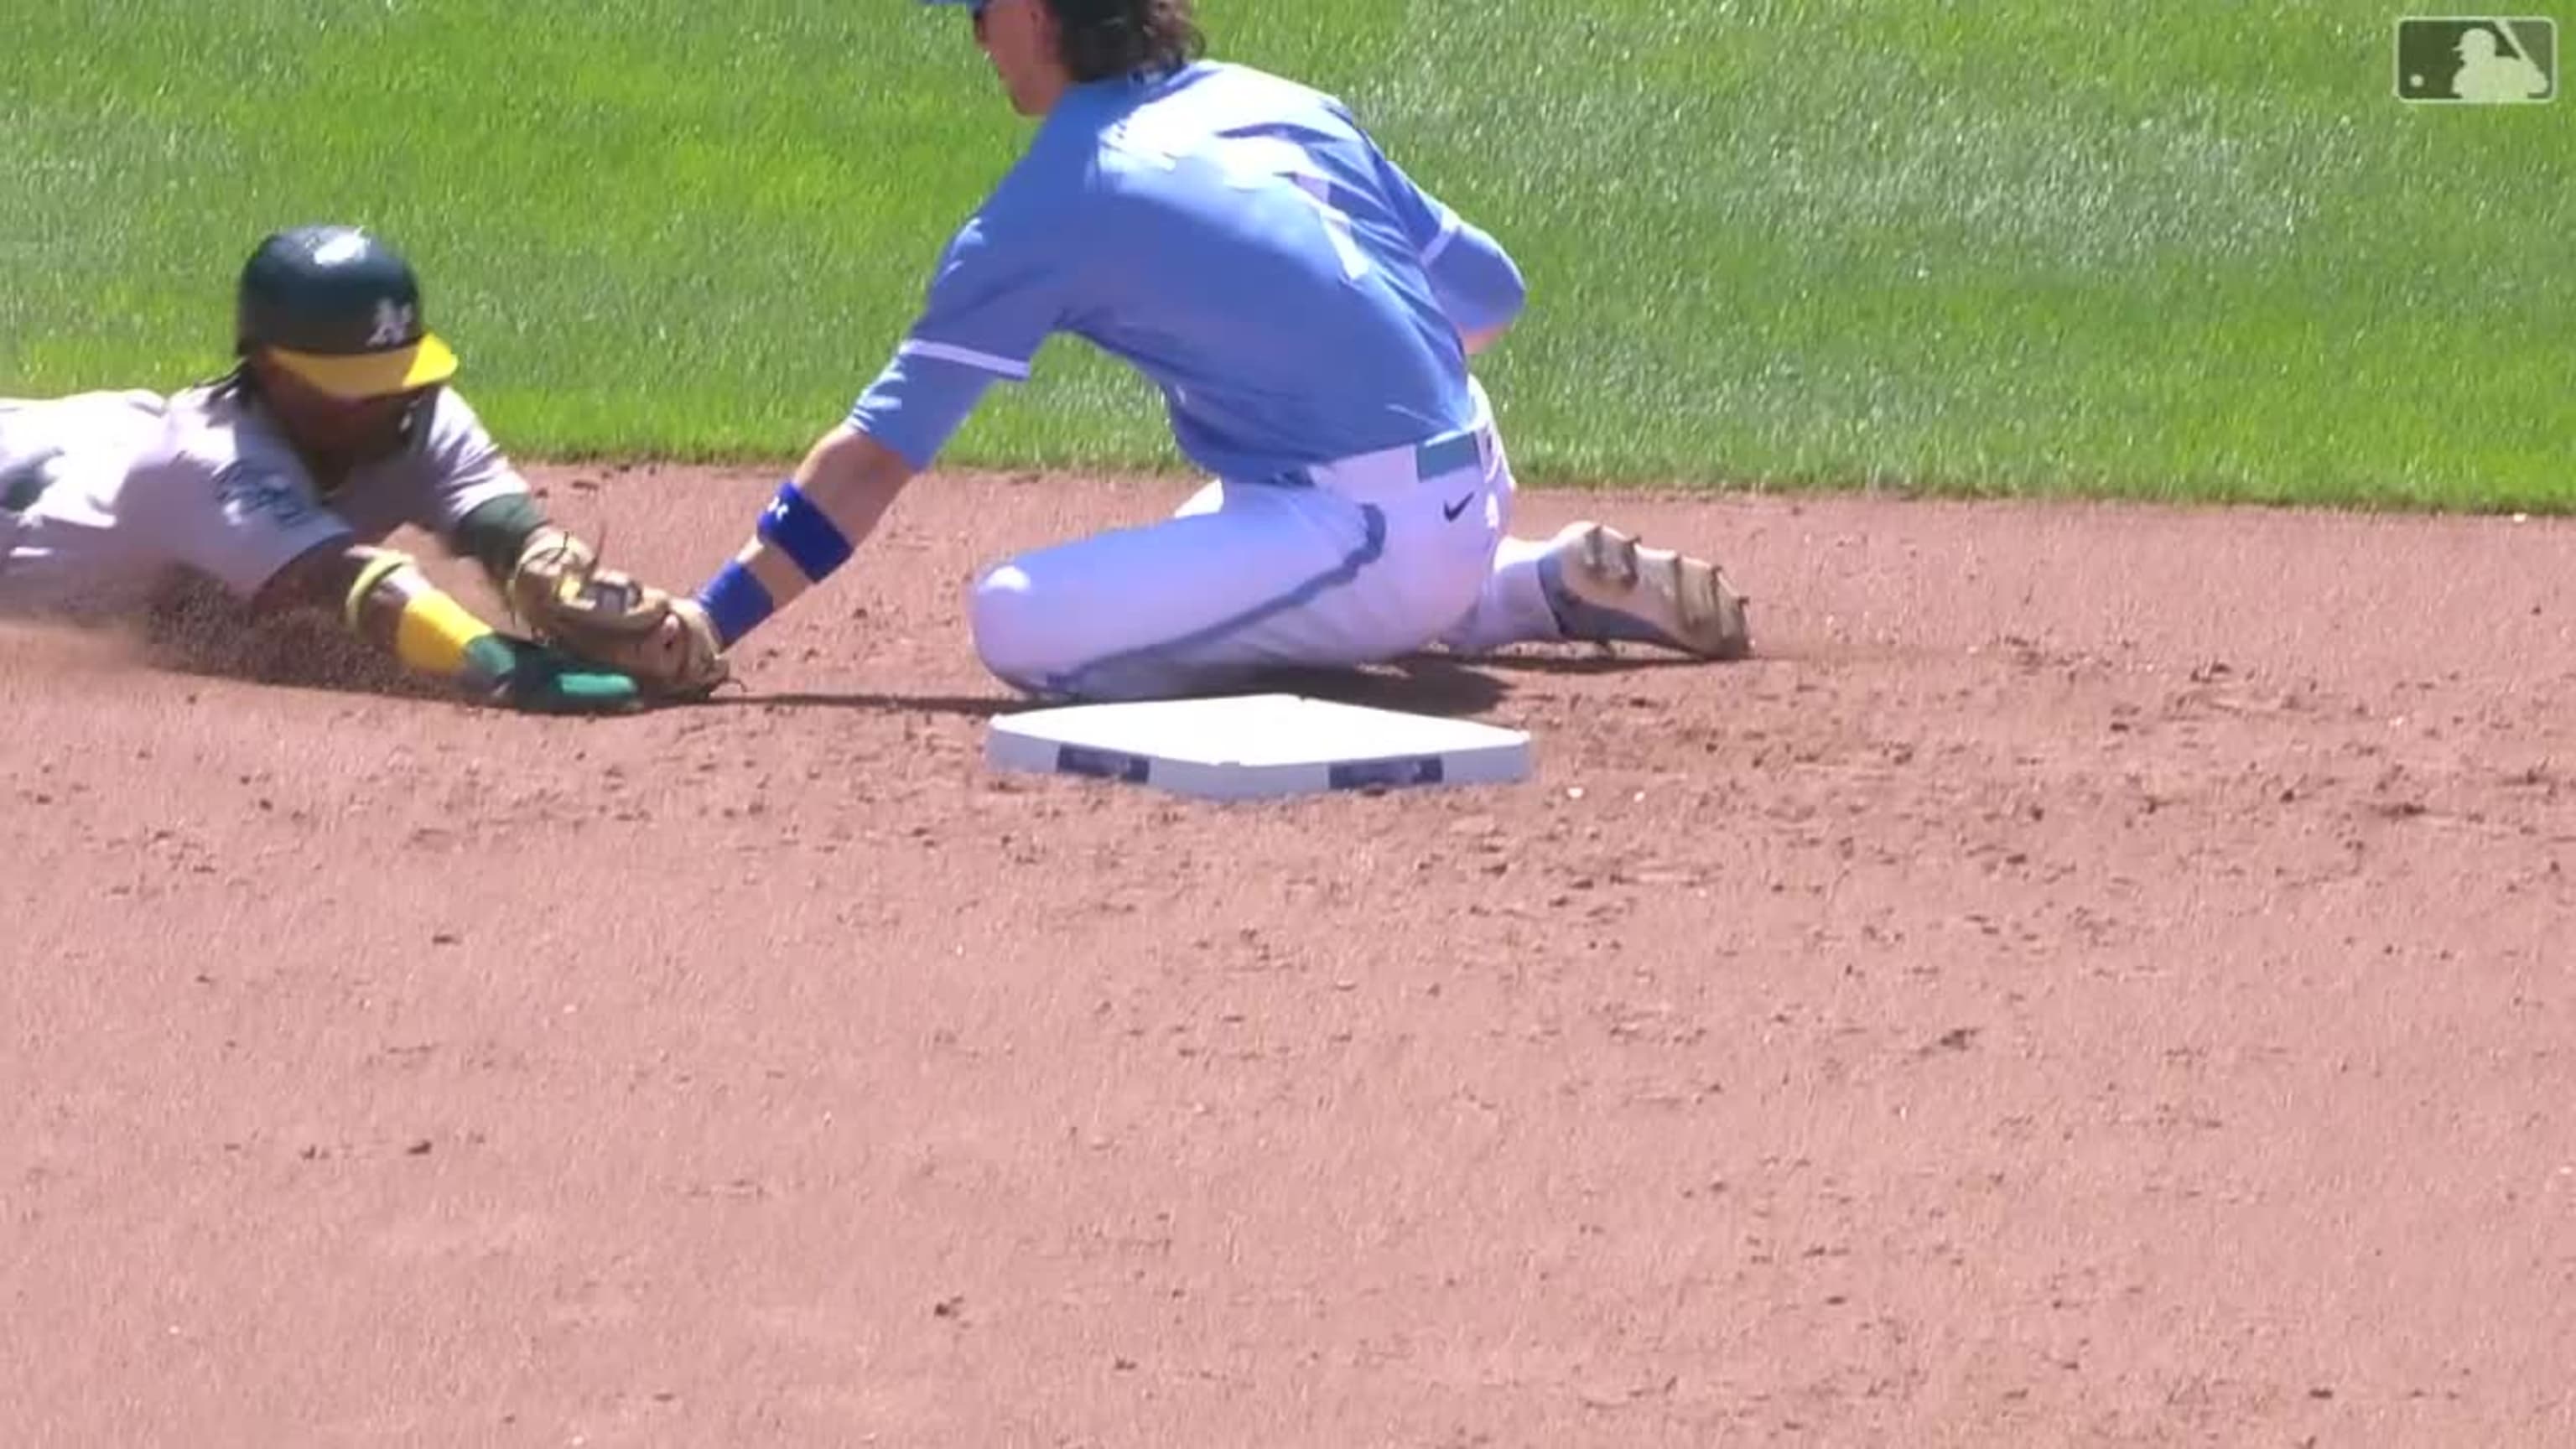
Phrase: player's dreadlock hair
[1103,39]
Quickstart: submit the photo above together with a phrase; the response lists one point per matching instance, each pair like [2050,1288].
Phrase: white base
[1256,746]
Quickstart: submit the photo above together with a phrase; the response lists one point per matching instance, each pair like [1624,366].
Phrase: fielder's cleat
[1606,586]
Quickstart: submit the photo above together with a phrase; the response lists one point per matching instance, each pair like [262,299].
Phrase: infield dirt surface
[2100,976]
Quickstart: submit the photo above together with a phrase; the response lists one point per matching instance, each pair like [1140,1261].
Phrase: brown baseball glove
[563,597]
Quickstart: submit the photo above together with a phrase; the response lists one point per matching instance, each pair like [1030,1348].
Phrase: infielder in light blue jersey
[1308,313]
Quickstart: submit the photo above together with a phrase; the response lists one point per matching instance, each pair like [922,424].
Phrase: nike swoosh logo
[1451,511]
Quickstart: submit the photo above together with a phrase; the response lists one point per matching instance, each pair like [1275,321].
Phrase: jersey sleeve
[997,294]
[237,520]
[1477,282]
[459,467]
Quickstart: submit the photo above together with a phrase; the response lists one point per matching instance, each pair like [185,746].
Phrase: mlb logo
[2477,60]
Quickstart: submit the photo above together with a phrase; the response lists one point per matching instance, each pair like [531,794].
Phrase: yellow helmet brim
[358,376]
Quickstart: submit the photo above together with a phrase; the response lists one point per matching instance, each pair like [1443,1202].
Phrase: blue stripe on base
[1386,774]
[804,532]
[1099,764]
[1152,656]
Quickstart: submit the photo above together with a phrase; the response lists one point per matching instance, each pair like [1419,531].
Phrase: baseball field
[2100,974]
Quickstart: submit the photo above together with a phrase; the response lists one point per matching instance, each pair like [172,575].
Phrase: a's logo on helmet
[394,324]
[346,247]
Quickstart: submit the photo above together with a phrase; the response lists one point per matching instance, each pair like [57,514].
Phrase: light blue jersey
[1242,242]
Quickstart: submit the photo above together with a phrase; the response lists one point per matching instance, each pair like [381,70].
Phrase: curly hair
[1103,39]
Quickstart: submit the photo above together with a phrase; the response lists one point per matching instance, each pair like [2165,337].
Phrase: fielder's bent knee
[1014,633]
[1031,640]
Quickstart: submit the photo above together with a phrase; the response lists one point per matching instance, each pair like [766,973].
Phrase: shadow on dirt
[1429,684]
[1418,684]
[1426,684]
[1594,661]
[968,706]
[204,634]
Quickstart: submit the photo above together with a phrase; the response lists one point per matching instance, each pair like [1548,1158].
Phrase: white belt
[1390,473]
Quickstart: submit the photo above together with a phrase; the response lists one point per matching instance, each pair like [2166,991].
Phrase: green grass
[2195,250]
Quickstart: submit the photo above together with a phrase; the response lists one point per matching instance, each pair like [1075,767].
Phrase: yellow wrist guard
[393,603]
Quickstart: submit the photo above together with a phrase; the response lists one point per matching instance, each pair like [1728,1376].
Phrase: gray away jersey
[137,487]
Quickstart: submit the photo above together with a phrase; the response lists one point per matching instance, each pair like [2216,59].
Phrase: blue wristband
[804,533]
[735,602]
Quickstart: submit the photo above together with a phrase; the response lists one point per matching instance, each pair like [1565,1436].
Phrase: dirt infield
[2101,977]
